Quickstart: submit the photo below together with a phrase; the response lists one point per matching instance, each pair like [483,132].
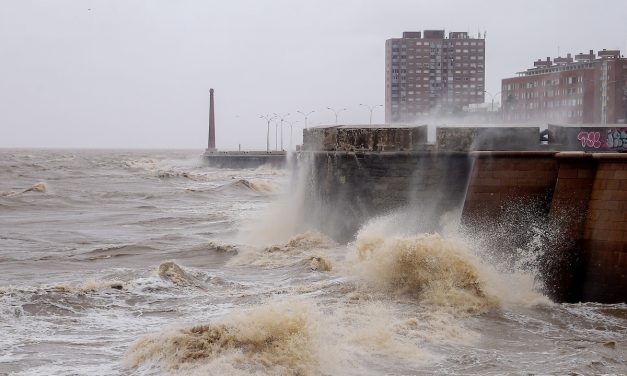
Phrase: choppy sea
[117,262]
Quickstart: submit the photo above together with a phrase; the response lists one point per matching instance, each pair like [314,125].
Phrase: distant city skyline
[122,74]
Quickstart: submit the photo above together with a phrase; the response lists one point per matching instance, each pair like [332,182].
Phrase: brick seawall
[577,201]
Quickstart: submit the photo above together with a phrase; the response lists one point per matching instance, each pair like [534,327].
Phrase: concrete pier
[237,159]
[246,159]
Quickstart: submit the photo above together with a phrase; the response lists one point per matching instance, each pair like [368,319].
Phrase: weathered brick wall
[605,233]
[580,201]
[568,213]
[499,180]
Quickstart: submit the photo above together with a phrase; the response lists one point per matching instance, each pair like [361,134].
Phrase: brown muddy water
[149,263]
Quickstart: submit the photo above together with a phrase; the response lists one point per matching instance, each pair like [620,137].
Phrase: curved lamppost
[371,108]
[336,112]
[281,118]
[291,124]
[492,96]
[306,115]
[268,119]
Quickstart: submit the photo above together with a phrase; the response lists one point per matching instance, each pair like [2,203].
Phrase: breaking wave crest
[91,285]
[278,338]
[257,186]
[39,188]
[305,241]
[306,249]
[140,164]
[320,263]
[169,174]
[426,267]
[170,271]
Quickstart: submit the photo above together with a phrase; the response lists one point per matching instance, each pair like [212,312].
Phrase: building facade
[431,74]
[591,88]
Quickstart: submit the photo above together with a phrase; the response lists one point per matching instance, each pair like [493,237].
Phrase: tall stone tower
[211,144]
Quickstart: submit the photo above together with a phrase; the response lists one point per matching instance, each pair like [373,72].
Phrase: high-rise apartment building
[431,74]
[591,88]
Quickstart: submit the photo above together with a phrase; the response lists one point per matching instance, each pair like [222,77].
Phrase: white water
[141,263]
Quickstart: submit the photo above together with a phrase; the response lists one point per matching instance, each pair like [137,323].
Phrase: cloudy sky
[136,74]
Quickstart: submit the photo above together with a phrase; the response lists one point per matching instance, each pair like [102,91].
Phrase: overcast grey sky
[136,74]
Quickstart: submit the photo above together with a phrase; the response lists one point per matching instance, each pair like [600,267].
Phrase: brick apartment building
[428,73]
[591,88]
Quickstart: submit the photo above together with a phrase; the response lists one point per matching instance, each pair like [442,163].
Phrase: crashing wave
[305,241]
[274,337]
[425,267]
[170,271]
[223,248]
[320,263]
[258,186]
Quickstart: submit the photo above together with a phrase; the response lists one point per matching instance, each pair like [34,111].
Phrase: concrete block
[487,138]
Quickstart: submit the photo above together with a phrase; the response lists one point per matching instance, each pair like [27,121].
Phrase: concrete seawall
[352,187]
[572,203]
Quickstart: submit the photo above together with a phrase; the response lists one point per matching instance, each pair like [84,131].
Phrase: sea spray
[302,247]
[276,336]
[526,244]
[305,241]
[452,272]
[284,217]
[320,263]
[425,267]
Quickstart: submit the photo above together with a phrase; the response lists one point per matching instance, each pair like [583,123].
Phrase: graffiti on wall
[590,139]
[614,139]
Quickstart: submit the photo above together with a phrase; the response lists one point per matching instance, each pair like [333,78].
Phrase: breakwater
[245,159]
[514,185]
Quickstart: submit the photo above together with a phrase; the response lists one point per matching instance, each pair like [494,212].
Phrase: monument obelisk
[211,144]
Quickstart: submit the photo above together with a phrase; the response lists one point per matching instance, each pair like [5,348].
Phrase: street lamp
[306,115]
[291,124]
[276,134]
[371,108]
[268,118]
[336,112]
[282,119]
[492,96]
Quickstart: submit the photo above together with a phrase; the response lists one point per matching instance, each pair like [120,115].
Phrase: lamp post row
[280,119]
